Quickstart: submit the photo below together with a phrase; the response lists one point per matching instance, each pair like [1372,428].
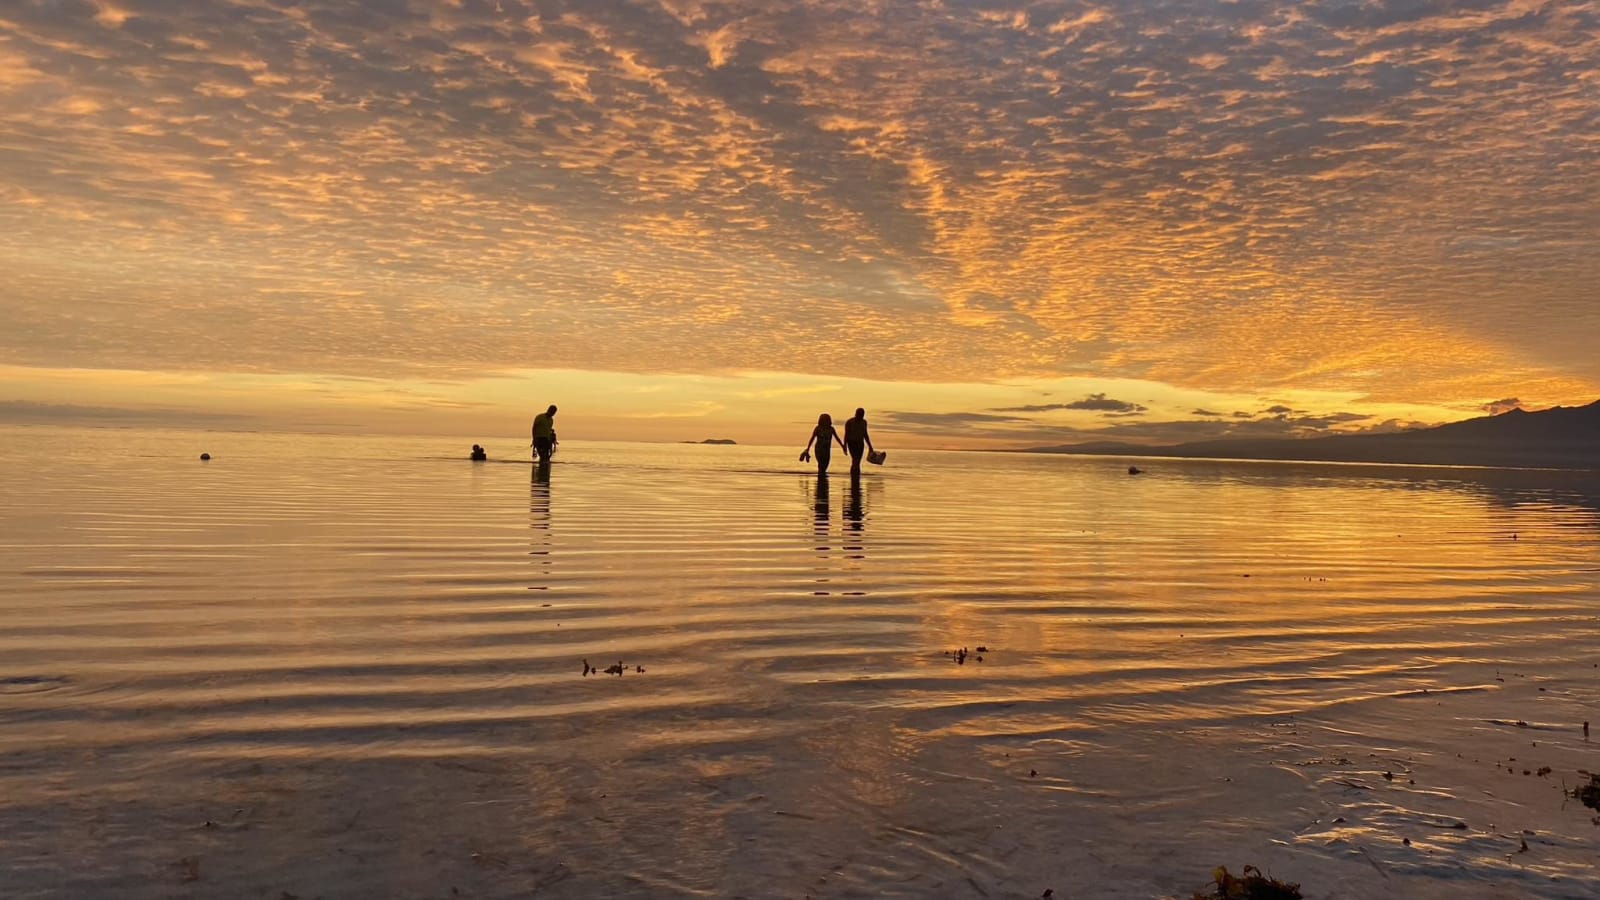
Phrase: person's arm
[841,441]
[868,437]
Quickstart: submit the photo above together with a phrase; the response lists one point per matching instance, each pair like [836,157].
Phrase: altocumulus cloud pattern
[1393,198]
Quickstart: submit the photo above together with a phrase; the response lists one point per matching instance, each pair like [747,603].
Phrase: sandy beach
[348,667]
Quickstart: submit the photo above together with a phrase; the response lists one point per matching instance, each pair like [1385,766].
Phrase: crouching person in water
[544,434]
[824,436]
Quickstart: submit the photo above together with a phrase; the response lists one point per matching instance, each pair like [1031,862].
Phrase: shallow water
[352,666]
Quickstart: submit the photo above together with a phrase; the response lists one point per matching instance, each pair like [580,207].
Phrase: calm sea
[356,667]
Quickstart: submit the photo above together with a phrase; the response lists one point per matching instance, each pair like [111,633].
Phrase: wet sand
[336,667]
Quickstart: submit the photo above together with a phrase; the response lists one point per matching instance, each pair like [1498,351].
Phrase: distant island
[1558,438]
[727,442]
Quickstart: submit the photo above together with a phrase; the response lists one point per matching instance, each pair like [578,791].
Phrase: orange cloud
[1291,197]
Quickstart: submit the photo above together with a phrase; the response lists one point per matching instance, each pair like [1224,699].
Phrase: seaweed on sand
[1250,885]
[1588,794]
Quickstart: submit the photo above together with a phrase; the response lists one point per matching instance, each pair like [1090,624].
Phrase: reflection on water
[355,640]
[821,514]
[855,519]
[539,524]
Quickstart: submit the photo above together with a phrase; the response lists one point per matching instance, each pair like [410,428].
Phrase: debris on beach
[962,655]
[1588,794]
[1250,885]
[188,869]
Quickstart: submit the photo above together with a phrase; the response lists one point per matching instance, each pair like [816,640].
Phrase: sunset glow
[992,224]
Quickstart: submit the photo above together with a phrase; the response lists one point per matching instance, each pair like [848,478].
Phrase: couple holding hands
[855,442]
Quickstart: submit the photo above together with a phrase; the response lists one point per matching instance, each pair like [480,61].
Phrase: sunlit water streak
[354,667]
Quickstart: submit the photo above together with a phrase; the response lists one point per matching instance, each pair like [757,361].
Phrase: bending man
[544,435]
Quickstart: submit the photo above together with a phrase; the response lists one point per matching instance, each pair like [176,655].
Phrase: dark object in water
[32,684]
[877,457]
[1135,470]
[1588,794]
[479,454]
[1251,885]
[616,669]
[204,457]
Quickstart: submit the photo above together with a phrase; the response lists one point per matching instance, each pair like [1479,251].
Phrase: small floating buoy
[205,456]
[1134,470]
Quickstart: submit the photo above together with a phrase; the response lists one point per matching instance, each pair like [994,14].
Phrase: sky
[992,224]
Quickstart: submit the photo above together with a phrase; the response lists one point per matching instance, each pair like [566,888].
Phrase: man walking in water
[544,435]
[856,441]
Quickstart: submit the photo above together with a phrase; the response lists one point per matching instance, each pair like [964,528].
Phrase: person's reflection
[539,524]
[819,508]
[855,518]
[820,527]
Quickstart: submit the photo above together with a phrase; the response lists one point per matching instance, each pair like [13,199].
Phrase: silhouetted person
[544,435]
[479,454]
[824,437]
[856,440]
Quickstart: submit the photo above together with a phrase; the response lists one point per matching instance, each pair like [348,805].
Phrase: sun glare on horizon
[994,224]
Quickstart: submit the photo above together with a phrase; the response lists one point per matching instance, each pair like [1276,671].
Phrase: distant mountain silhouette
[727,442]
[1562,437]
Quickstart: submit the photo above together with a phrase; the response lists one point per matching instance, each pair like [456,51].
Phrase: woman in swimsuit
[823,436]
